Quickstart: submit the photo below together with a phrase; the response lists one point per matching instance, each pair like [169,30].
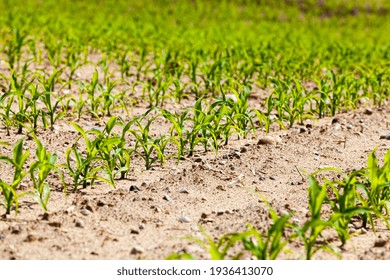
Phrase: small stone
[204,215]
[368,111]
[219,213]
[16,229]
[184,219]
[337,126]
[229,212]
[302,129]
[335,120]
[385,136]
[195,228]
[89,208]
[137,250]
[45,216]
[157,209]
[295,220]
[183,191]
[380,242]
[261,178]
[197,159]
[243,149]
[222,162]
[31,238]
[134,188]
[267,140]
[141,226]
[134,231]
[85,212]
[167,198]
[100,203]
[79,223]
[349,126]
[70,209]
[2,236]
[55,224]
[309,126]
[272,178]
[352,231]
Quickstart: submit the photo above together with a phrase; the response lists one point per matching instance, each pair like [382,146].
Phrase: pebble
[197,159]
[31,238]
[261,178]
[70,209]
[349,126]
[79,224]
[141,226]
[2,236]
[55,224]
[184,219]
[85,212]
[337,126]
[272,178]
[352,231]
[204,215]
[137,250]
[219,213]
[134,188]
[243,149]
[183,191]
[385,136]
[368,111]
[267,140]
[335,120]
[302,129]
[195,228]
[167,198]
[45,216]
[380,242]
[100,203]
[134,231]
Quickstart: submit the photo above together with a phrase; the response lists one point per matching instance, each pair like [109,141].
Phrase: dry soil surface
[151,214]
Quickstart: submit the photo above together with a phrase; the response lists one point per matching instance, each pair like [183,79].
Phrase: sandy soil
[151,214]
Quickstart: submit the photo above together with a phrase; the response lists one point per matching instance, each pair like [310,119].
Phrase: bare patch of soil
[149,215]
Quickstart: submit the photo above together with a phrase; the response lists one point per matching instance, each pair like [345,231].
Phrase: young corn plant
[94,100]
[346,206]
[152,148]
[375,188]
[51,99]
[9,190]
[269,245]
[217,250]
[39,171]
[111,149]
[19,89]
[86,168]
[311,231]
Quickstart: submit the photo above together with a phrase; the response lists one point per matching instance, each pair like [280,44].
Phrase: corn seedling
[9,191]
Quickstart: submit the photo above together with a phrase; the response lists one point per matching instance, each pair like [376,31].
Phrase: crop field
[194,129]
